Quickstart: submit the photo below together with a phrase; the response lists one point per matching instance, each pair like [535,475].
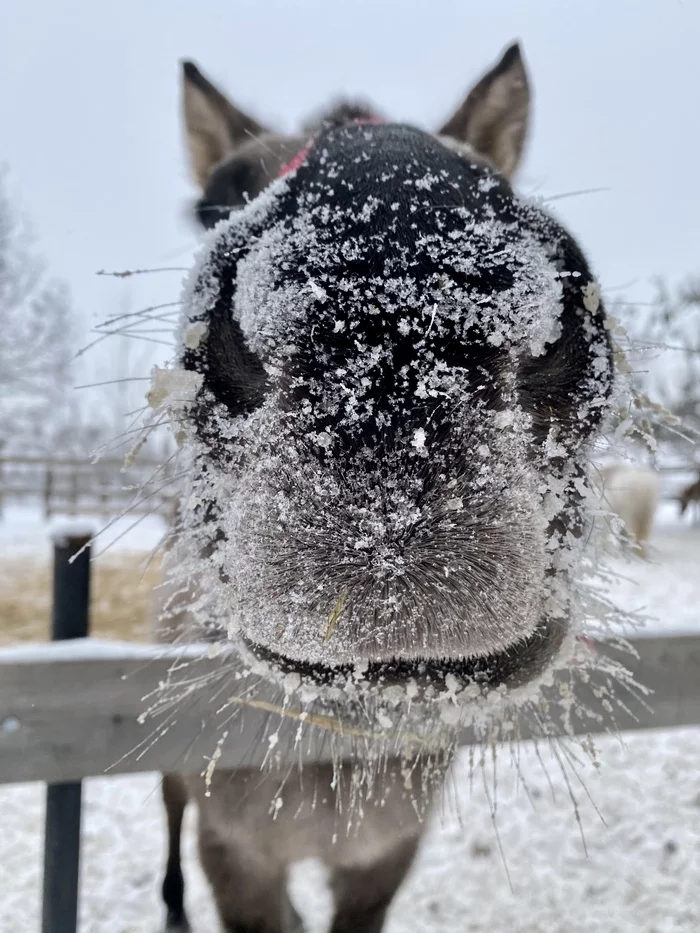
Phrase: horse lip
[511,667]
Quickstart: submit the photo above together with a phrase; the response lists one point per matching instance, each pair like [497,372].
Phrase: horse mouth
[513,666]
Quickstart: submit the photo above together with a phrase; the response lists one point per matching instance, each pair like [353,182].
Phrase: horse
[689,494]
[392,369]
[633,494]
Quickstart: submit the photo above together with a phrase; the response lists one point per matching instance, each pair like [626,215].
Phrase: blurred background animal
[690,497]
[632,492]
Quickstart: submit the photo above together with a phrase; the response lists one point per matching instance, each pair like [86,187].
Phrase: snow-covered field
[632,865]
[24,531]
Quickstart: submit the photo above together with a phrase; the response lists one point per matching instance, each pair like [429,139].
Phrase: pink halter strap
[300,157]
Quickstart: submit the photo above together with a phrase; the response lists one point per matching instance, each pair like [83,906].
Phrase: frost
[418,440]
[324,439]
[384,720]
[317,291]
[208,772]
[194,334]
[504,419]
[172,388]
[591,296]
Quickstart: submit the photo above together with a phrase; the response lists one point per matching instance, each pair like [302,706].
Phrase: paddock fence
[72,486]
[75,709]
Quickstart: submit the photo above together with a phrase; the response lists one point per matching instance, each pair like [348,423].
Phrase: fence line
[72,710]
[70,485]
[73,485]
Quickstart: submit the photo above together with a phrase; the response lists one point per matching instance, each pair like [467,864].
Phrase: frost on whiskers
[345,548]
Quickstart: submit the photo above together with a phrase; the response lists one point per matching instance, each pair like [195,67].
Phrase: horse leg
[291,921]
[363,895]
[249,891]
[174,794]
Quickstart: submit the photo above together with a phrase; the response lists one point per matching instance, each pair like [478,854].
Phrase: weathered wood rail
[72,710]
[71,486]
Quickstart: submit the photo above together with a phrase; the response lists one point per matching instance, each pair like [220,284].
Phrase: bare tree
[35,336]
[665,358]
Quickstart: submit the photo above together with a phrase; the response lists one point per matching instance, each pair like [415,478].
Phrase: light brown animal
[633,494]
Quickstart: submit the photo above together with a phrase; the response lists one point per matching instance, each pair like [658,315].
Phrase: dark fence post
[48,488]
[69,619]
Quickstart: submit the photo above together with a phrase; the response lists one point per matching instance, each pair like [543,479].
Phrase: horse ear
[493,119]
[214,126]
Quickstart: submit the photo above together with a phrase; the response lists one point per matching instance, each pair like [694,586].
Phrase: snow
[174,388]
[23,530]
[666,587]
[638,872]
[62,531]
[95,649]
[641,872]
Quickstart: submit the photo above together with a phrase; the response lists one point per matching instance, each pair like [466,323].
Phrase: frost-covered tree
[674,324]
[665,359]
[35,336]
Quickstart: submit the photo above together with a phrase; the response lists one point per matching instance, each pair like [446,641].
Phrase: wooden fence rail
[72,710]
[70,485]
[66,485]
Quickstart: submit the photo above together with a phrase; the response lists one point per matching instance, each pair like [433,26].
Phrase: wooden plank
[71,710]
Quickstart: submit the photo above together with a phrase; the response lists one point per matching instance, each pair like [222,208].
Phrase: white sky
[89,112]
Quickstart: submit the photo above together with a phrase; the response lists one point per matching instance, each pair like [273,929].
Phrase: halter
[296,161]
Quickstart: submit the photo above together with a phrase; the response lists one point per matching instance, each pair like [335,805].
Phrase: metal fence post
[69,619]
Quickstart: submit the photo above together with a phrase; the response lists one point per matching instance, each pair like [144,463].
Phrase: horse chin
[519,663]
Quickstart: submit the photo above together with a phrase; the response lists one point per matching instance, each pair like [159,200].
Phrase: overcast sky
[90,125]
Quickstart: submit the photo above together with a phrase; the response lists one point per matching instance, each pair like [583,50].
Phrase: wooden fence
[73,710]
[72,486]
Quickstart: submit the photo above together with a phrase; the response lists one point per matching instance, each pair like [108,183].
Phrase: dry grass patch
[121,596]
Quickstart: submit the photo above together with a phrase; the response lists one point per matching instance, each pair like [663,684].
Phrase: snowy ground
[24,531]
[632,866]
[666,587]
